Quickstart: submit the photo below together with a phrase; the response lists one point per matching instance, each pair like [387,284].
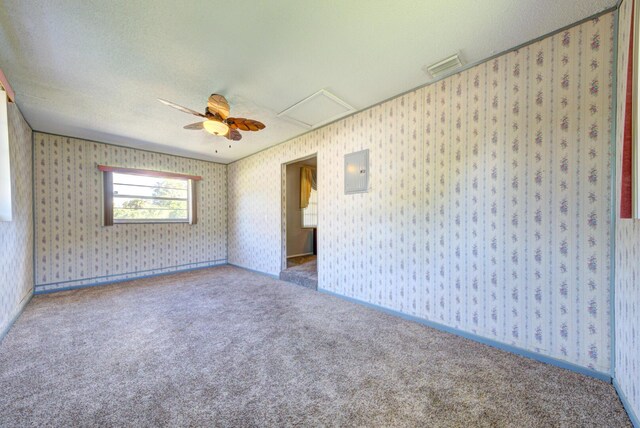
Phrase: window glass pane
[6,213]
[148,204]
[149,181]
[310,214]
[148,191]
[140,198]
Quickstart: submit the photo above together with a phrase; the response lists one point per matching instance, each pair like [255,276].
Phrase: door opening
[300,222]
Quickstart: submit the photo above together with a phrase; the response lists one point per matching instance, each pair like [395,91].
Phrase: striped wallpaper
[490,202]
[72,248]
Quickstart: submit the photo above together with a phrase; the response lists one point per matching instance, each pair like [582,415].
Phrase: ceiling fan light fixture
[216,127]
[217,118]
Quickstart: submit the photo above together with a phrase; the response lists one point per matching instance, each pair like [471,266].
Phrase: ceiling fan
[217,118]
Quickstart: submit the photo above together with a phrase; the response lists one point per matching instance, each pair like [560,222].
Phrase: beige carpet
[225,347]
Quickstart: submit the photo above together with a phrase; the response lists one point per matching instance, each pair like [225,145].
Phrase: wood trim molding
[4,83]
[107,185]
[148,172]
[193,195]
[628,190]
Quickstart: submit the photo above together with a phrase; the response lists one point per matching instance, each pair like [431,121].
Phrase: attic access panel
[356,172]
[317,109]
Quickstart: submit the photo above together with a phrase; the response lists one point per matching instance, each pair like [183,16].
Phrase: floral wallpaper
[489,207]
[16,236]
[72,248]
[627,257]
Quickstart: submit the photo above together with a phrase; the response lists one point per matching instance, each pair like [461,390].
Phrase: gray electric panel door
[356,172]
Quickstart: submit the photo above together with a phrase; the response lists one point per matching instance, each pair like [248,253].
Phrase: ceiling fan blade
[197,125]
[244,124]
[233,135]
[179,107]
[218,104]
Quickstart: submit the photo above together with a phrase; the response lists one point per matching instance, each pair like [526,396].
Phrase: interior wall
[490,202]
[74,249]
[299,240]
[16,236]
[627,254]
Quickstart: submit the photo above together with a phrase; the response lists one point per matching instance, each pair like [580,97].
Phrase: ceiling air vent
[444,67]
[317,109]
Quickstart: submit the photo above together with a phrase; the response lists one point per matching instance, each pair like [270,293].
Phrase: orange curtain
[307,182]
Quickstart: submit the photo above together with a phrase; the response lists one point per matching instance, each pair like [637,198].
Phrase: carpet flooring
[302,271]
[227,347]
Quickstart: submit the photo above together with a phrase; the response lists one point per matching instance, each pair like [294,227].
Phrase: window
[140,196]
[136,197]
[5,161]
[6,95]
[310,213]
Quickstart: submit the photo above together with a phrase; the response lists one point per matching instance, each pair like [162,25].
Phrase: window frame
[108,196]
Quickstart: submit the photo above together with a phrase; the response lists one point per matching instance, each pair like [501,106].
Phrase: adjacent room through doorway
[300,231]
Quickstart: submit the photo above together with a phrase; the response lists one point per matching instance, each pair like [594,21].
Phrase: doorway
[300,222]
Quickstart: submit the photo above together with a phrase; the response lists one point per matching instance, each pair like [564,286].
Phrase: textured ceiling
[93,69]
